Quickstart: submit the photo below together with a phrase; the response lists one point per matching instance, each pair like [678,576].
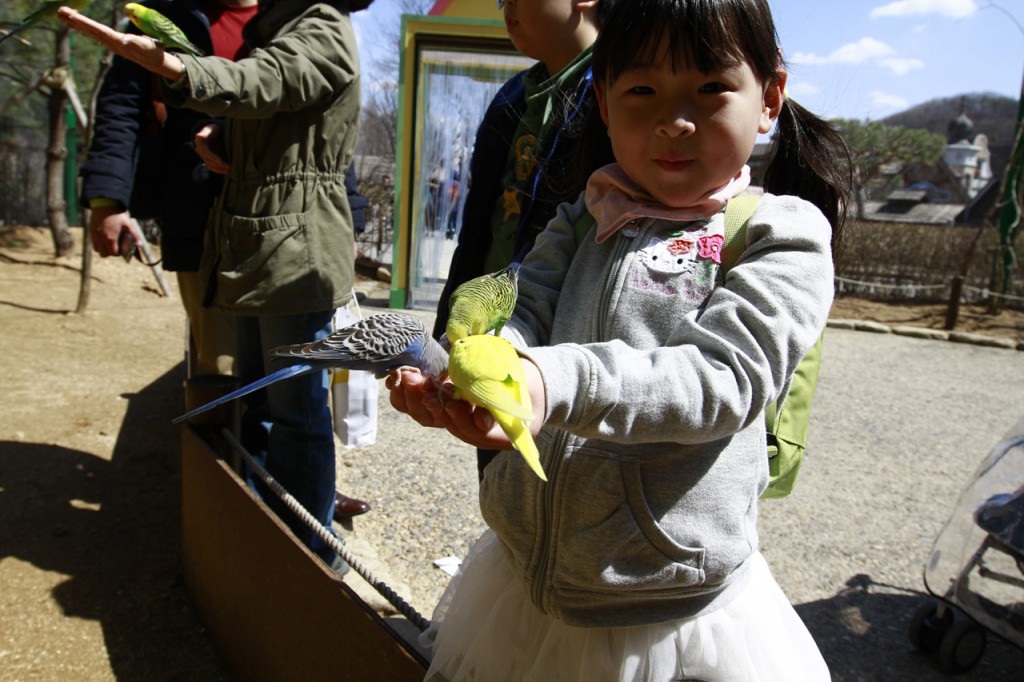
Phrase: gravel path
[899,426]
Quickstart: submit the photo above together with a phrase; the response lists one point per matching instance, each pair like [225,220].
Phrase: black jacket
[153,169]
[575,149]
[357,203]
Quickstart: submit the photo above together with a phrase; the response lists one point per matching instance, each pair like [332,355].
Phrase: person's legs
[288,424]
[213,332]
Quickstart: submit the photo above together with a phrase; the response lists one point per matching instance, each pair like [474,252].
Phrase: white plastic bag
[353,395]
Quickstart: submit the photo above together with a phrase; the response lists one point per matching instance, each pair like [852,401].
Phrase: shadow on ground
[862,633]
[113,527]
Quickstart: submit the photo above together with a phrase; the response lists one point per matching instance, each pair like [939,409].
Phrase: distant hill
[992,114]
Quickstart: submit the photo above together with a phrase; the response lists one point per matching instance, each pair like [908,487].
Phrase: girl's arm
[308,66]
[142,50]
[714,369]
[302,68]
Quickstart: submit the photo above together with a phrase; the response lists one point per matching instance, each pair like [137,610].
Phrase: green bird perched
[159,27]
[482,304]
[46,10]
[487,372]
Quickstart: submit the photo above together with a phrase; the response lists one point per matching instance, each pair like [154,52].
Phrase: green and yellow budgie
[487,372]
[160,28]
[45,11]
[482,304]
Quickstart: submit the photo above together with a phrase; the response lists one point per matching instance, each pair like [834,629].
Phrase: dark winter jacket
[153,170]
[563,178]
[357,203]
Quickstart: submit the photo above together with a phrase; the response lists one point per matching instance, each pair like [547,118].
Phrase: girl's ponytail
[811,160]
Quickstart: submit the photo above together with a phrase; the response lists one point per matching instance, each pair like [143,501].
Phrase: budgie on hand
[377,344]
[482,304]
[159,27]
[45,11]
[487,372]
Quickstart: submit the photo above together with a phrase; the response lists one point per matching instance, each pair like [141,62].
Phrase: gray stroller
[976,568]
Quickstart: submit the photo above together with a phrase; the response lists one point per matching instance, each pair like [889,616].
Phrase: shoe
[340,567]
[347,507]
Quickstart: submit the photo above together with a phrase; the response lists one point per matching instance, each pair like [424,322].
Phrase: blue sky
[862,59]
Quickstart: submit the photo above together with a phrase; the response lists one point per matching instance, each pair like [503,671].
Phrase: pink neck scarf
[614,200]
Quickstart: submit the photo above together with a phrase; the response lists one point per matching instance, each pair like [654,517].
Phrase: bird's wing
[377,343]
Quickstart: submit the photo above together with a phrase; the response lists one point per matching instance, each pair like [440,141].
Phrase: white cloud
[852,53]
[864,50]
[802,88]
[956,9]
[887,101]
[901,66]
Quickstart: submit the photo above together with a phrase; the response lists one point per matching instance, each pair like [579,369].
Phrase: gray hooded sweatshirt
[656,374]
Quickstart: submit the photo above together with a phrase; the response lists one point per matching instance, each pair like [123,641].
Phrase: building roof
[907,212]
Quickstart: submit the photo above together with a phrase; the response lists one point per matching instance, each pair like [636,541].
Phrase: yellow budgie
[487,372]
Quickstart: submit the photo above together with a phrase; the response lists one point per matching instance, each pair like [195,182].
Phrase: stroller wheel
[962,646]
[929,626]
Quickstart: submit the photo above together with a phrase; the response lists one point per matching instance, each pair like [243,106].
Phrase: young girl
[638,559]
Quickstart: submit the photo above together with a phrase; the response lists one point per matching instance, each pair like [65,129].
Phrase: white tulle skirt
[485,629]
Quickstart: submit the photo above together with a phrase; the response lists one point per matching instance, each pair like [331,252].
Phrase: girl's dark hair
[810,159]
[603,8]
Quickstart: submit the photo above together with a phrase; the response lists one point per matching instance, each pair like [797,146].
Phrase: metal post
[1010,215]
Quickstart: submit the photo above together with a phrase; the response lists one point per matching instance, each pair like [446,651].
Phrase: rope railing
[988,293]
[326,536]
[879,285]
[912,289]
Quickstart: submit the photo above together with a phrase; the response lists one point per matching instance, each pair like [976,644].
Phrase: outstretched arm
[142,50]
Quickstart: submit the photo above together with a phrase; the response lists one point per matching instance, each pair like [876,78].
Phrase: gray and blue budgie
[378,344]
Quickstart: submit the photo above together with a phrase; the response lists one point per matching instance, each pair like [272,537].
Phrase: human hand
[210,150]
[476,426]
[418,395]
[106,224]
[432,403]
[142,50]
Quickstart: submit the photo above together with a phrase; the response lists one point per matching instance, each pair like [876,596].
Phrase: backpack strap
[737,214]
[582,226]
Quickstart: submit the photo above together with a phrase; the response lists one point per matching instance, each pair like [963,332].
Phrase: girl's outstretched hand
[431,403]
[418,395]
[142,50]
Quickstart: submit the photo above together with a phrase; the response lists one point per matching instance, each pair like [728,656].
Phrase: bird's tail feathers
[284,373]
[522,440]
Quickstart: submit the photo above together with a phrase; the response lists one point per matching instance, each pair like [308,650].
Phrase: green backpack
[786,420]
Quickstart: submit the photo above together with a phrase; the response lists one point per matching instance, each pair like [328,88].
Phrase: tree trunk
[56,152]
[84,288]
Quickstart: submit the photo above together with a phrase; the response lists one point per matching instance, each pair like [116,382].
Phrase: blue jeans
[287,426]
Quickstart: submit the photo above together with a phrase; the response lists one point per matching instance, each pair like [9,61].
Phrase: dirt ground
[89,469]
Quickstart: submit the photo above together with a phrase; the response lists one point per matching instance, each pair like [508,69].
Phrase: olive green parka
[280,239]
